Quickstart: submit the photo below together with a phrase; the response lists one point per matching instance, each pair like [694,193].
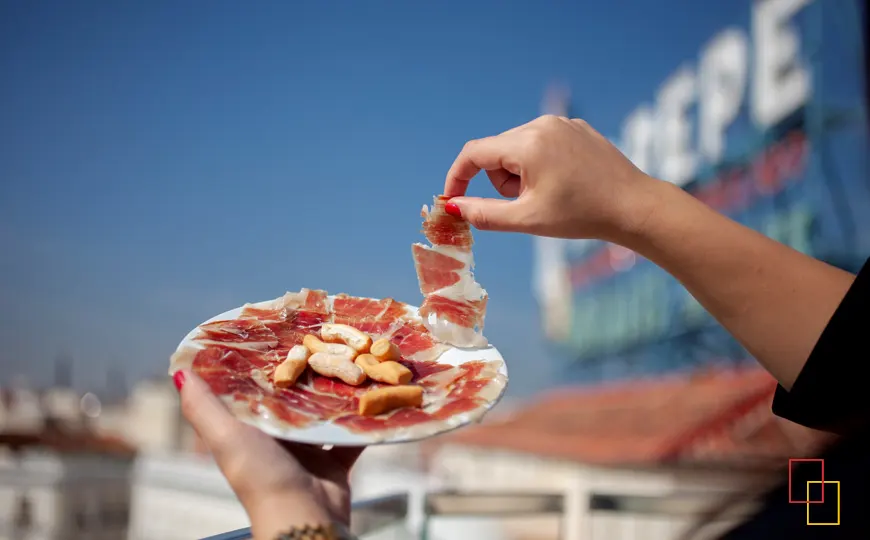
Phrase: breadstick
[316,346]
[338,366]
[348,335]
[386,372]
[291,368]
[386,399]
[385,350]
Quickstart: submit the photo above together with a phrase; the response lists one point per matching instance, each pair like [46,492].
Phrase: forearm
[776,301]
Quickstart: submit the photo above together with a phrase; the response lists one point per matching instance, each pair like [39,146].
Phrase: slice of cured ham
[378,318]
[238,333]
[415,342]
[442,229]
[435,270]
[455,304]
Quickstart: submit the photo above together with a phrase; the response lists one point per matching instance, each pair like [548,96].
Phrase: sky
[162,162]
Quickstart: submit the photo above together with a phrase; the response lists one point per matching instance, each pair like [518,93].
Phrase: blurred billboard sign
[754,128]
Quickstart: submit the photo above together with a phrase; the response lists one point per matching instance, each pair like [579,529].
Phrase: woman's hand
[281,485]
[568,181]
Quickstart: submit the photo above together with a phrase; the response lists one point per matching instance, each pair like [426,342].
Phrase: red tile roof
[714,416]
[68,442]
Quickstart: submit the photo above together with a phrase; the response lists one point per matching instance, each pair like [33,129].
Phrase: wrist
[651,203]
[274,516]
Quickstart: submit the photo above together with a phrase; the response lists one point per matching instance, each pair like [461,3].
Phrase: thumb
[490,214]
[208,415]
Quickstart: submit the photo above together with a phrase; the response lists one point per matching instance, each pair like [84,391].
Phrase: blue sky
[161,161]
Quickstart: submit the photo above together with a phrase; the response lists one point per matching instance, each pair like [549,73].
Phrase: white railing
[639,517]
[611,516]
[372,515]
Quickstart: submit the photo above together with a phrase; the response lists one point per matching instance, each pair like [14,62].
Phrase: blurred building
[181,496]
[404,468]
[75,466]
[59,479]
[69,468]
[20,409]
[173,476]
[153,421]
[709,435]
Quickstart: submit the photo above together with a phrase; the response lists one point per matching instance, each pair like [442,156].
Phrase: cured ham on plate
[345,370]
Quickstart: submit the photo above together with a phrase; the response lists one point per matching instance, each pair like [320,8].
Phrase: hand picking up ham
[345,370]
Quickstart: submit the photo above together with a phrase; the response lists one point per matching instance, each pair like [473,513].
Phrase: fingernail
[178,379]
[453,209]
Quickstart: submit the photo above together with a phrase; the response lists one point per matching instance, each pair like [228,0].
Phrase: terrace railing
[608,515]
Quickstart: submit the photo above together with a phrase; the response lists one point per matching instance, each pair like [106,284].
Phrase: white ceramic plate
[327,433]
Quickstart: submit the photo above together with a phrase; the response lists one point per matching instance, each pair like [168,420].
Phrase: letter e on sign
[722,82]
[781,82]
[675,159]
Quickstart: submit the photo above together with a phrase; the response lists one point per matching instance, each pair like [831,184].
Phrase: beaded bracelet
[320,532]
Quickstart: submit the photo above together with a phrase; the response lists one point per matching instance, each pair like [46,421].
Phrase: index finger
[490,154]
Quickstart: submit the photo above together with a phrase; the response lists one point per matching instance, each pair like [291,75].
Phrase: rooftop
[703,418]
[66,441]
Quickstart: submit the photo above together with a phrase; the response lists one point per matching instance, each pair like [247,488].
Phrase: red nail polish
[178,379]
[452,209]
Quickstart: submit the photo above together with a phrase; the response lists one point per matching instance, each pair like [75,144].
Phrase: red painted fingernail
[178,379]
[453,209]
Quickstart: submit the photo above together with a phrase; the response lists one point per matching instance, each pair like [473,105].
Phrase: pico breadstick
[386,372]
[385,350]
[292,367]
[389,398]
[347,335]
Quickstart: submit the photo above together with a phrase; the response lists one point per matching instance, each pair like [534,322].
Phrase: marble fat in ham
[454,307]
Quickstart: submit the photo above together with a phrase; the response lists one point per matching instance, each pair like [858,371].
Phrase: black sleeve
[831,392]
